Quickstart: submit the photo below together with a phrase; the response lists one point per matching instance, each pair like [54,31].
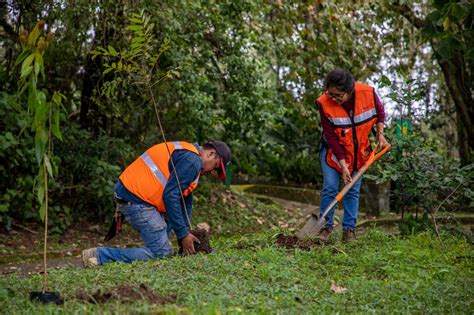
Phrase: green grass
[382,274]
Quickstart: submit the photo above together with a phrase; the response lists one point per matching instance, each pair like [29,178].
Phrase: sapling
[45,118]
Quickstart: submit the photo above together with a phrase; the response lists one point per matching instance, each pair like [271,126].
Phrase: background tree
[449,28]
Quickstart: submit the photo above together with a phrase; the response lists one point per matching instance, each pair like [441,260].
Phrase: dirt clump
[292,241]
[203,247]
[126,293]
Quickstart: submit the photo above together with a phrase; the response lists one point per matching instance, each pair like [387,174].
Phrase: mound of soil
[292,241]
[203,237]
[126,293]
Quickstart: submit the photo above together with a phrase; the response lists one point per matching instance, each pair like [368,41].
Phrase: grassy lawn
[249,274]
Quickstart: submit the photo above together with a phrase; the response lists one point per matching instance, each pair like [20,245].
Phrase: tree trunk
[455,76]
[458,82]
[463,145]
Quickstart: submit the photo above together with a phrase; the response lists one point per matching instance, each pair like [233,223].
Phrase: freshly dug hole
[292,241]
[203,237]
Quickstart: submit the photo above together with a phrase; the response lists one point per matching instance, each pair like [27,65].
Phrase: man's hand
[346,174]
[188,244]
[380,137]
[382,142]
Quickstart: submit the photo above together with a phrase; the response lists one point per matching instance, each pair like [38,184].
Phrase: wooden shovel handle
[372,158]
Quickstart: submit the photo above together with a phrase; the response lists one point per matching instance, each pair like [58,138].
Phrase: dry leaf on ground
[204,226]
[337,289]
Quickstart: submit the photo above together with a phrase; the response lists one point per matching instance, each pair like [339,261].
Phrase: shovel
[315,224]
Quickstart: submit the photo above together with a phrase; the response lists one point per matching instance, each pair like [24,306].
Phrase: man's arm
[187,169]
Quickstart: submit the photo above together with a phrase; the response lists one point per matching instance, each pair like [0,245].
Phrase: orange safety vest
[352,131]
[147,176]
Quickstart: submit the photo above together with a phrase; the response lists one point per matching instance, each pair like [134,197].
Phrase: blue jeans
[331,188]
[152,228]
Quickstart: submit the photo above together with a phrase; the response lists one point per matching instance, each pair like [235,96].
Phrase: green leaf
[39,61]
[107,71]
[27,64]
[22,56]
[47,163]
[37,69]
[138,40]
[94,54]
[134,27]
[33,36]
[112,51]
[40,191]
[55,125]
[57,98]
[4,207]
[41,139]
[41,97]
[458,11]
[136,45]
[26,71]
[42,211]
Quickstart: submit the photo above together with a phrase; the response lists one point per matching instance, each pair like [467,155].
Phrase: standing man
[148,189]
[348,111]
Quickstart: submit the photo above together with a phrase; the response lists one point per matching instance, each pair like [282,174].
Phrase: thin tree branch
[455,189]
[24,228]
[433,213]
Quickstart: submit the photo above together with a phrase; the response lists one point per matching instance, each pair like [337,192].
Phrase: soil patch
[126,293]
[292,241]
[204,246]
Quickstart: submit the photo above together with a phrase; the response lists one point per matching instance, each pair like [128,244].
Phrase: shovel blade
[312,227]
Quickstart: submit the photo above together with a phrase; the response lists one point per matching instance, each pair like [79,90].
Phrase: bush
[88,170]
[422,178]
[18,165]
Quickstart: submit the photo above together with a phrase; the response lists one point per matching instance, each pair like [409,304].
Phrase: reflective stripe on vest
[345,121]
[154,169]
[364,116]
[177,145]
[340,121]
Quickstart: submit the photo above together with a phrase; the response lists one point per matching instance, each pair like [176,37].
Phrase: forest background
[74,111]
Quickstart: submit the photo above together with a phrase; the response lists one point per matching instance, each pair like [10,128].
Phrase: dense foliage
[245,72]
